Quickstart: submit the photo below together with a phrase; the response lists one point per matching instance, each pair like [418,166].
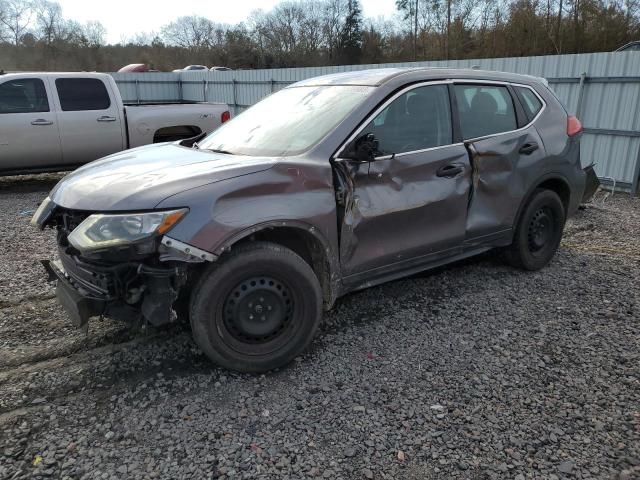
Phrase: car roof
[379,76]
[627,45]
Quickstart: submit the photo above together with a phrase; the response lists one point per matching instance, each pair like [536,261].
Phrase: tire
[257,309]
[538,232]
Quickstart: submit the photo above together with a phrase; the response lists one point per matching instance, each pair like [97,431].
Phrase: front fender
[220,214]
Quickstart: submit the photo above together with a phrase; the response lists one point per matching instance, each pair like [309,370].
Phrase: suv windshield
[288,122]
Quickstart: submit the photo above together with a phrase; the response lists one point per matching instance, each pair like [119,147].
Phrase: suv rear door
[28,128]
[89,119]
[504,146]
[408,205]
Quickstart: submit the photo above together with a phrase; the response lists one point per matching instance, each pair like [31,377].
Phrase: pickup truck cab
[58,121]
[360,178]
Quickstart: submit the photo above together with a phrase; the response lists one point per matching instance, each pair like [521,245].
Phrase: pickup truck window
[416,120]
[288,122]
[23,95]
[78,94]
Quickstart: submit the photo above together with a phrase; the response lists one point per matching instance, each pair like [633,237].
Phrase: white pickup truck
[57,121]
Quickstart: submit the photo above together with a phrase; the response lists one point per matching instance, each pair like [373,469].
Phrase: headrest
[485,103]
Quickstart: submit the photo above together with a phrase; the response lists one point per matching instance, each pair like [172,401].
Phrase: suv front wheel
[257,309]
[539,231]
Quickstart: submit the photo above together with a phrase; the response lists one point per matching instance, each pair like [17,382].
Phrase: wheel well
[175,132]
[561,188]
[304,244]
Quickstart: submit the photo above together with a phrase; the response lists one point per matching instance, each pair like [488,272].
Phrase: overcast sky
[125,18]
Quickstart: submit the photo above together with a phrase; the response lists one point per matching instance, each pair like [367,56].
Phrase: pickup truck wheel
[538,232]
[257,309]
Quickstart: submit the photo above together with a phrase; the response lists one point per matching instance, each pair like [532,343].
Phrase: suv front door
[409,205]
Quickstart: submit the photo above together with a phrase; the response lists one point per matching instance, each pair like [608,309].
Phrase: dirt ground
[472,371]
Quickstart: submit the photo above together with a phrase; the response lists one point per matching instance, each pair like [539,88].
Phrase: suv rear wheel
[538,232]
[257,309]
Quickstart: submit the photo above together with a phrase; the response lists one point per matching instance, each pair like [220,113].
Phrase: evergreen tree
[350,49]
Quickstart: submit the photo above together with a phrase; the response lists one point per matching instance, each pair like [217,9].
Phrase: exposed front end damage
[137,282]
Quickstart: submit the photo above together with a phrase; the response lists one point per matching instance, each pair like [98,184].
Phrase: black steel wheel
[541,230]
[538,232]
[257,309]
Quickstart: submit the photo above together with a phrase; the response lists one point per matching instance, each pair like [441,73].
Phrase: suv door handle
[528,148]
[106,118]
[450,170]
[42,121]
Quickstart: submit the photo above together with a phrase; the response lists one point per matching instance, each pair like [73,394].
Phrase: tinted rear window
[485,110]
[82,94]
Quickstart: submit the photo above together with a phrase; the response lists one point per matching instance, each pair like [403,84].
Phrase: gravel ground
[474,371]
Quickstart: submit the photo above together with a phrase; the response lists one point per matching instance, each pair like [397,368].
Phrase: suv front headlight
[103,230]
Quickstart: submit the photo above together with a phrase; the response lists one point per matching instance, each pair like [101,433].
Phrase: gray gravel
[475,371]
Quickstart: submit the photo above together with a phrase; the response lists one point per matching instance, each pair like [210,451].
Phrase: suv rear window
[82,94]
[484,110]
[530,102]
[23,95]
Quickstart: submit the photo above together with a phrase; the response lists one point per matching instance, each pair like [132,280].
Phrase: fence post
[583,77]
[273,84]
[137,91]
[235,103]
[180,96]
[204,90]
[636,176]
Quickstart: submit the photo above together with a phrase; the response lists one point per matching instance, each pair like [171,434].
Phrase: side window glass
[416,120]
[23,95]
[78,94]
[530,102]
[484,110]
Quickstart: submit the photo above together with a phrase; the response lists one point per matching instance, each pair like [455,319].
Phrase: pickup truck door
[28,128]
[89,118]
[409,205]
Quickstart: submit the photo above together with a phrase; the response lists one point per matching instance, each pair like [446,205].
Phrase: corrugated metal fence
[603,89]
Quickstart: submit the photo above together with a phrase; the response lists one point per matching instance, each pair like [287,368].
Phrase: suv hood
[139,179]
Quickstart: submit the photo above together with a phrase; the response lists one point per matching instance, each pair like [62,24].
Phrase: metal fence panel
[148,87]
[609,109]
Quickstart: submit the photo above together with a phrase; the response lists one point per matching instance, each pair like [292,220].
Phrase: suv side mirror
[363,148]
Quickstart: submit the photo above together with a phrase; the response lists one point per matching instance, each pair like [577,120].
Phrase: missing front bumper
[79,306]
[155,306]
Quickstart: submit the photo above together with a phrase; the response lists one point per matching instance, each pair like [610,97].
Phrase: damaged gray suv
[330,185]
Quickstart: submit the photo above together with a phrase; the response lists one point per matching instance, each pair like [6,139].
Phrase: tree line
[35,35]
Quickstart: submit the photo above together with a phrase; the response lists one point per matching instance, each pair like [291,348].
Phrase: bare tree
[16,18]
[50,25]
[94,34]
[334,14]
[190,32]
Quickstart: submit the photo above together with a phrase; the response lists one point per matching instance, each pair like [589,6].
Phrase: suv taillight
[574,127]
[226,116]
